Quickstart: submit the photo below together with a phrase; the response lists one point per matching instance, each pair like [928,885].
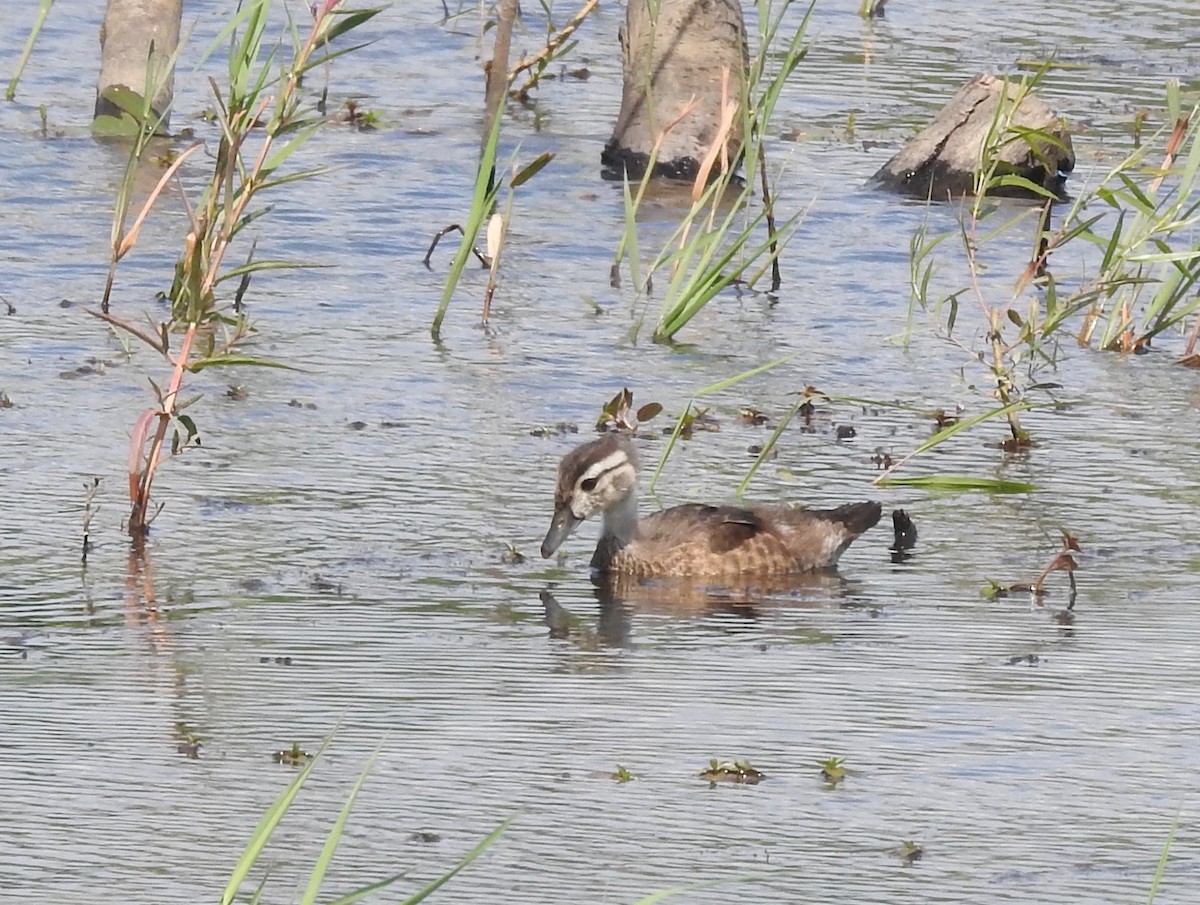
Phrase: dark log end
[618,163]
[939,181]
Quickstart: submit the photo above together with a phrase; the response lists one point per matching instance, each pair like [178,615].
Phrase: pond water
[334,557]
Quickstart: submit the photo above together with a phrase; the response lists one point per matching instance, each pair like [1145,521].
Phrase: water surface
[335,554]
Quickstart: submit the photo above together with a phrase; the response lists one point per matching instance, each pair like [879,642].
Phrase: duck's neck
[620,522]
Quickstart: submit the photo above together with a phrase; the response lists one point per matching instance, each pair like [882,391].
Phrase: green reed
[715,244]
[10,93]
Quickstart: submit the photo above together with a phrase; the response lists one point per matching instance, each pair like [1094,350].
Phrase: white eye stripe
[608,463]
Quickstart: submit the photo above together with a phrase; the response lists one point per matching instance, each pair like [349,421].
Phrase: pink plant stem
[137,519]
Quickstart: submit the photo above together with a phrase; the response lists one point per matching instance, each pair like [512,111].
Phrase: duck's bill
[560,529]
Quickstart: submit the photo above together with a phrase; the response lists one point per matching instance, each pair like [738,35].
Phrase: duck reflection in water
[623,600]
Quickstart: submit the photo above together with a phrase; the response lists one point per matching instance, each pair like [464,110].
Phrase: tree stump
[131,30]
[676,54]
[945,157]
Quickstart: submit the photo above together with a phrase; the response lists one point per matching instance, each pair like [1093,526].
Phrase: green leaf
[344,20]
[531,169]
[189,425]
[314,62]
[363,891]
[1026,185]
[335,834]
[126,100]
[1162,859]
[738,378]
[959,483]
[106,126]
[648,411]
[951,429]
[220,361]
[256,266]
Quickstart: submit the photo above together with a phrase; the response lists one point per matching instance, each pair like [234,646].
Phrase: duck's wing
[726,540]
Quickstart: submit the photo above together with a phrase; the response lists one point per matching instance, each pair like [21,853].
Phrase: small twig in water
[438,238]
[89,494]
[552,45]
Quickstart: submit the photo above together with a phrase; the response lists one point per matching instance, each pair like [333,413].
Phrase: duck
[695,541]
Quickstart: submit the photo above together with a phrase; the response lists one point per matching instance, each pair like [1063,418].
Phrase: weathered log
[677,55]
[945,157]
[136,37]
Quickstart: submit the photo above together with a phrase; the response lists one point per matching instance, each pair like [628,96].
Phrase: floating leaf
[648,411]
[958,483]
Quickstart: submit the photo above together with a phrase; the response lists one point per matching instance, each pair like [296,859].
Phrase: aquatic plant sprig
[261,102]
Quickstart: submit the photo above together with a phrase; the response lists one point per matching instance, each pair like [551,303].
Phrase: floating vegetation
[833,770]
[562,428]
[271,818]
[736,771]
[354,115]
[751,415]
[293,756]
[959,484]
[618,414]
[189,743]
[622,774]
[1063,560]
[695,419]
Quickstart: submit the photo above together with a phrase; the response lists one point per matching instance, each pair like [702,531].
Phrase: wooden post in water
[131,31]
[677,55]
[944,158]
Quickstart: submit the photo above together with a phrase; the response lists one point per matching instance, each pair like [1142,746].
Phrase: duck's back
[727,541]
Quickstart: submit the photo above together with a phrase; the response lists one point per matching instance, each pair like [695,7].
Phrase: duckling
[695,541]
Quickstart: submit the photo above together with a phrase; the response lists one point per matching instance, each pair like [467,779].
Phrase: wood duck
[695,541]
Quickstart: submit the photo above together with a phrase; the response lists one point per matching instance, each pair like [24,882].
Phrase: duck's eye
[587,486]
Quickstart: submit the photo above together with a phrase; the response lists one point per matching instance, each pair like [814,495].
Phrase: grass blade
[266,826]
[335,835]
[958,484]
[43,12]
[467,859]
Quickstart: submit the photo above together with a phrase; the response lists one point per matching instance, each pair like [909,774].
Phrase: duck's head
[592,478]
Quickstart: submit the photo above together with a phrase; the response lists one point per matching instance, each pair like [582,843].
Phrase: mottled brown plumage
[719,542]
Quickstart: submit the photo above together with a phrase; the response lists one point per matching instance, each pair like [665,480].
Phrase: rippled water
[334,556]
